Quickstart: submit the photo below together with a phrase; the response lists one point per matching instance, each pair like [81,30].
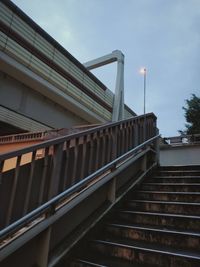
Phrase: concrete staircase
[158,224]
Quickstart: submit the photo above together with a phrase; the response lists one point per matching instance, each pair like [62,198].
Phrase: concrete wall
[19,98]
[180,155]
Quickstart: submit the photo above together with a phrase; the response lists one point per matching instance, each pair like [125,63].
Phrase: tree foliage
[192,115]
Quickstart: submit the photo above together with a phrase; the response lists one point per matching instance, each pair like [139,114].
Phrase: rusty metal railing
[65,161]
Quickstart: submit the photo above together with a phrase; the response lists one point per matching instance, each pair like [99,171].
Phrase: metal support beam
[117,55]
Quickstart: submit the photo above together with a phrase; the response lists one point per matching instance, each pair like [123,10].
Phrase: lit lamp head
[143,71]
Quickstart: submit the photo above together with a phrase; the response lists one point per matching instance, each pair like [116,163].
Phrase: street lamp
[143,71]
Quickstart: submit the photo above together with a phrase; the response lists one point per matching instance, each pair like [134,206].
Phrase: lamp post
[143,71]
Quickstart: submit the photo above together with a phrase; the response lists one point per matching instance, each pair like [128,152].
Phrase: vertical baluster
[127,137]
[65,179]
[56,168]
[13,191]
[114,142]
[123,136]
[104,149]
[91,155]
[30,181]
[118,134]
[74,172]
[136,134]
[83,161]
[147,128]
[131,135]
[154,127]
[44,173]
[109,144]
[97,163]
[1,169]
[142,130]
[151,130]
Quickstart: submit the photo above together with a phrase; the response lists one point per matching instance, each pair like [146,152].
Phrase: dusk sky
[161,35]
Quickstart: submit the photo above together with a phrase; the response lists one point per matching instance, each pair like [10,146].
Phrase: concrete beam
[32,80]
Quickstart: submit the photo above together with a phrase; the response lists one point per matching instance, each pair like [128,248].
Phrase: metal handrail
[51,204]
[62,139]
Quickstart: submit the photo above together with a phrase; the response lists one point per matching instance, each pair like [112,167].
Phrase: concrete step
[174,179]
[167,196]
[164,206]
[171,187]
[151,234]
[175,221]
[158,224]
[178,168]
[177,173]
[145,253]
[97,260]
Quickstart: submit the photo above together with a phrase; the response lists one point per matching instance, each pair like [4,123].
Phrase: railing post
[56,168]
[1,169]
[112,185]
[144,163]
[112,190]
[43,177]
[66,163]
[114,143]
[136,135]
[91,155]
[30,182]
[13,191]
[76,152]
[43,248]
[108,144]
[104,149]
[97,163]
[83,163]
[123,137]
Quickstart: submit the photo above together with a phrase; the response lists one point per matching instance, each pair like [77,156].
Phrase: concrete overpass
[42,85]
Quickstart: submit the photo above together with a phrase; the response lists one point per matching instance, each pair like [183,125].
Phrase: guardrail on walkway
[94,170]
[182,139]
[66,161]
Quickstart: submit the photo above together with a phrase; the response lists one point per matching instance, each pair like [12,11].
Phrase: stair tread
[176,171]
[174,184]
[167,192]
[145,246]
[99,261]
[176,177]
[157,233]
[161,214]
[166,202]
[154,229]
